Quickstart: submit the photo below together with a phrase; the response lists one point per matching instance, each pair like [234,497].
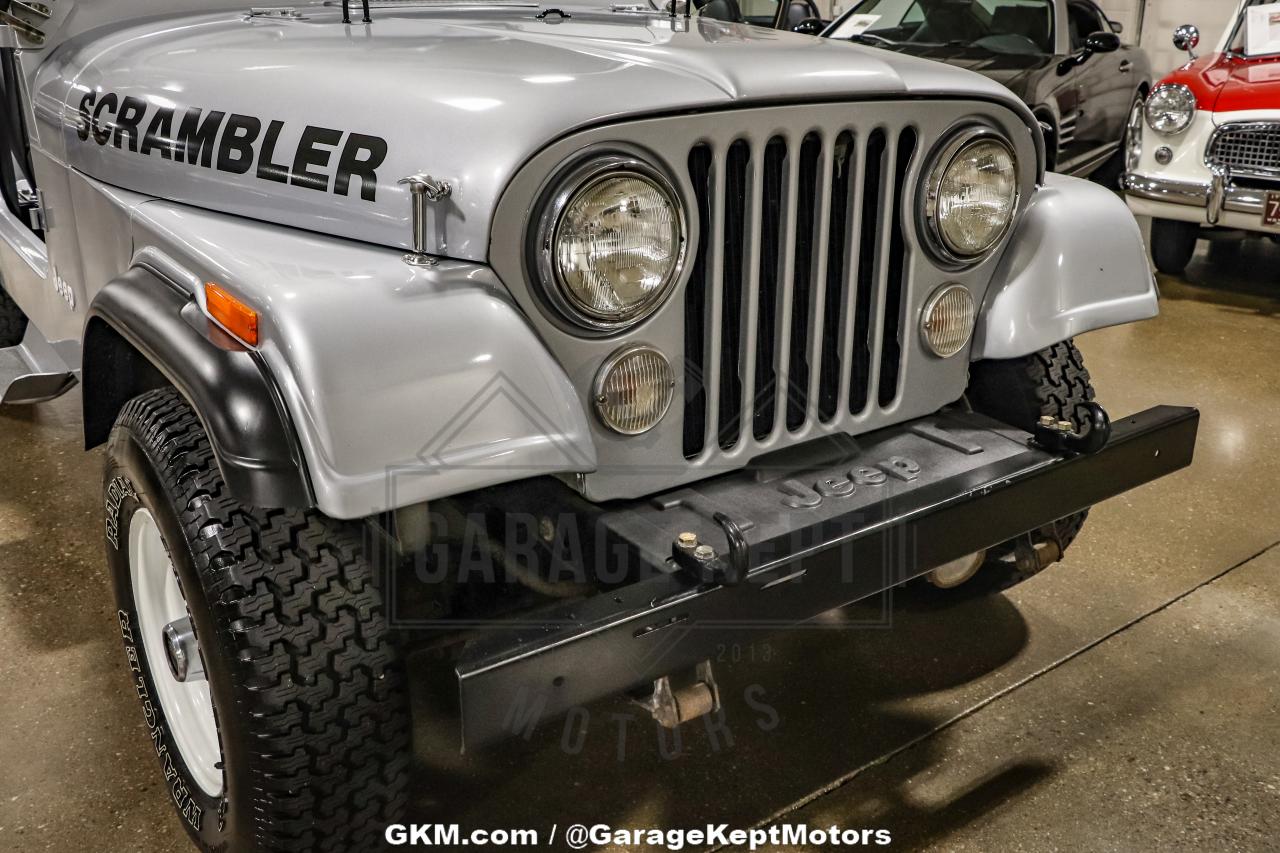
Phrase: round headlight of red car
[1171,108]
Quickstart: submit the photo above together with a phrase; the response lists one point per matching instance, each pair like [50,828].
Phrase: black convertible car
[1063,57]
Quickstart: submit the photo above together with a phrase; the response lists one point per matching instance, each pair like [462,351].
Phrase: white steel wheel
[168,638]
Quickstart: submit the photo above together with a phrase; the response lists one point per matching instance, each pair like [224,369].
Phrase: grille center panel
[1248,150]
[807,251]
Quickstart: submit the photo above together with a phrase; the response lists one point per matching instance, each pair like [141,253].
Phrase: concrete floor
[1126,699]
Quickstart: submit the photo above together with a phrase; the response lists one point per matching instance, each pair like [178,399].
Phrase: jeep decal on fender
[234,143]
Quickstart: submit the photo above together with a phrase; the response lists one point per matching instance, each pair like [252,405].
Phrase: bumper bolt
[687,541]
[704,552]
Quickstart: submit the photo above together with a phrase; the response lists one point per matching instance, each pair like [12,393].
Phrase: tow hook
[673,706]
[1060,436]
[702,561]
[1033,556]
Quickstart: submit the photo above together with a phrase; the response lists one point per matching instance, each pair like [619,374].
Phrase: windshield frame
[1060,31]
[1236,33]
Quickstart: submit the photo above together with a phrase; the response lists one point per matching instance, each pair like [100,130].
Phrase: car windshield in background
[759,12]
[1000,26]
[1257,30]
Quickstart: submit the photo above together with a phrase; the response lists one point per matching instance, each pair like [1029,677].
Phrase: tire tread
[315,669]
[1020,391]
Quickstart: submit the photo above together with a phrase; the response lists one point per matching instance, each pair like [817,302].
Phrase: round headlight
[633,389]
[1171,108]
[612,243]
[972,195]
[947,321]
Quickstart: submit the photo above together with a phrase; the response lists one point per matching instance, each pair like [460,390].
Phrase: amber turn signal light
[234,316]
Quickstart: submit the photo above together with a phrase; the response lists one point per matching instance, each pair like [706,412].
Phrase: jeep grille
[1251,150]
[796,325]
[794,232]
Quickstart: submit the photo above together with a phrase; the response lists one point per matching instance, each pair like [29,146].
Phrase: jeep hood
[310,123]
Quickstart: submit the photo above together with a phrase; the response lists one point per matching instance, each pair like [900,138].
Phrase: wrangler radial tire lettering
[13,323]
[308,692]
[1020,391]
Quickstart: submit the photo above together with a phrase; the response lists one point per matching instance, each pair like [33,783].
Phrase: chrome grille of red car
[1251,149]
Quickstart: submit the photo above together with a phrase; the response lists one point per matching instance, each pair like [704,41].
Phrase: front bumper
[952,484]
[1218,203]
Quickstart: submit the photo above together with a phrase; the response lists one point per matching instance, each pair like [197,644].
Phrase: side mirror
[1101,42]
[1187,37]
[809,27]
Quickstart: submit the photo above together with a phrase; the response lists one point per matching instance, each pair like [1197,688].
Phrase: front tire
[307,695]
[1019,392]
[1173,244]
[13,323]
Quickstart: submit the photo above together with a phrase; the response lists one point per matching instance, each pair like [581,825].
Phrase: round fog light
[633,389]
[947,323]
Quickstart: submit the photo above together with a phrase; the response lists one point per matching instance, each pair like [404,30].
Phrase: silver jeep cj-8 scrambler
[680,324]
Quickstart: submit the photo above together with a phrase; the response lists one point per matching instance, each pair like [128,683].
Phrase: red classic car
[1205,153]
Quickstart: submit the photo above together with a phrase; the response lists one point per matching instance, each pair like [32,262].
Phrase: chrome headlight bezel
[944,156]
[565,186]
[1189,102]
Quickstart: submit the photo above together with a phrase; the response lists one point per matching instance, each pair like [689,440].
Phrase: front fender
[1076,263]
[141,314]
[404,384]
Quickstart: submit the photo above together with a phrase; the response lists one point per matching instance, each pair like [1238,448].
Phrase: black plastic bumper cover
[569,654]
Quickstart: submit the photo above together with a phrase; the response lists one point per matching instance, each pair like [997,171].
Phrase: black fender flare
[142,332]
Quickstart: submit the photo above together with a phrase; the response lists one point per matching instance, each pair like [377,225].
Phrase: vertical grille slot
[873,202]
[895,285]
[802,280]
[735,241]
[838,305]
[695,310]
[766,375]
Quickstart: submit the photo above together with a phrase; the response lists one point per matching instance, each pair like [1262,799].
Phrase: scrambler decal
[236,144]
[178,788]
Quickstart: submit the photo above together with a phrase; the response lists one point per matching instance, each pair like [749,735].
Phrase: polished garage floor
[1127,699]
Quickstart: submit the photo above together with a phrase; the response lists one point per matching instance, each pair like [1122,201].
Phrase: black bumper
[978,485]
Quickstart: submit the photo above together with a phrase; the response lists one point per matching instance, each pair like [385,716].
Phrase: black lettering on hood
[324,159]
